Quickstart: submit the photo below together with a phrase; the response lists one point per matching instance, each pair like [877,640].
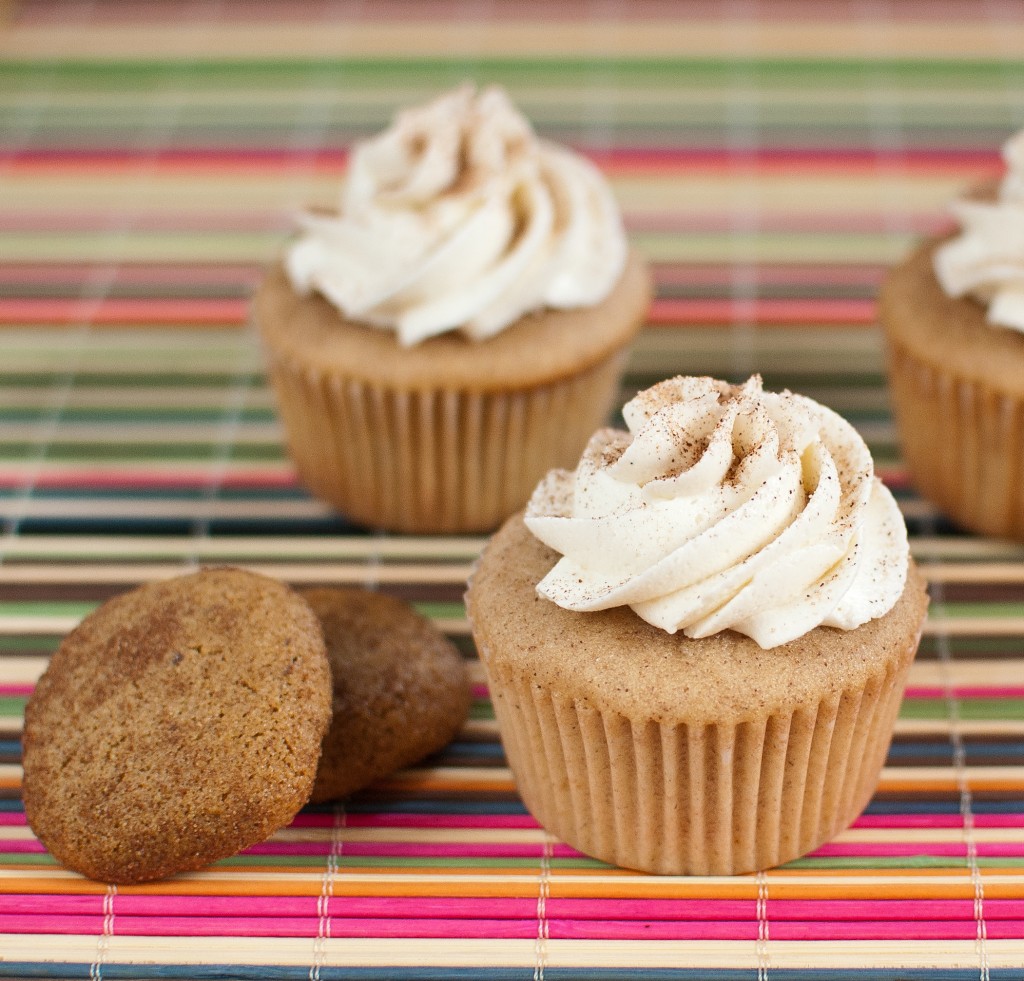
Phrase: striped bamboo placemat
[771,161]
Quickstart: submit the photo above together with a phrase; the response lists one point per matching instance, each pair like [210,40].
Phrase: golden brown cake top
[615,659]
[539,349]
[948,331]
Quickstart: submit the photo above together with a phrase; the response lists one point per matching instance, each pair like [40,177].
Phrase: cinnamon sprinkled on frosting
[724,507]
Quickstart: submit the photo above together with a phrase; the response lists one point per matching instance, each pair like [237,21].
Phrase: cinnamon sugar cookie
[177,724]
[400,688]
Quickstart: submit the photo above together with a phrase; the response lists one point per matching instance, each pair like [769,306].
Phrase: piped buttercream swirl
[459,218]
[724,507]
[986,260]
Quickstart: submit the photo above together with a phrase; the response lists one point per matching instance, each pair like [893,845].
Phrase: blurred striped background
[771,161]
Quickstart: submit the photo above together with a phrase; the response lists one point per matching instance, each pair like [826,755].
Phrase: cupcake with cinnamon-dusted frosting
[696,642]
[458,327]
[953,317]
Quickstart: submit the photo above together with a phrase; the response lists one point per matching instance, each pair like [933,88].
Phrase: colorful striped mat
[771,161]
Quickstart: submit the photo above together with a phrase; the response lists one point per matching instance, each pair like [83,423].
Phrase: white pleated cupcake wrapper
[700,799]
[439,460]
[963,443]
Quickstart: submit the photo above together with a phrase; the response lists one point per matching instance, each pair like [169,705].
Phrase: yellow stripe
[981,672]
[363,952]
[679,38]
[361,548]
[314,571]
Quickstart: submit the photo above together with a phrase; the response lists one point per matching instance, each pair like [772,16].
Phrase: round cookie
[177,724]
[400,688]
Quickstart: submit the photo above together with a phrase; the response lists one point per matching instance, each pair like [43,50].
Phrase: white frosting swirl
[987,259]
[724,507]
[458,217]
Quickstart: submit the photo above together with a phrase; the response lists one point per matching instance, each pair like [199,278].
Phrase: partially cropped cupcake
[706,681]
[953,315]
[458,327]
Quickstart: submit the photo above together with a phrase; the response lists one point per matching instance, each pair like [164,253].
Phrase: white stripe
[491,953]
[543,927]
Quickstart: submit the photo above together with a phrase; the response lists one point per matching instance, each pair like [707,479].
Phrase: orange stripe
[950,785]
[526,887]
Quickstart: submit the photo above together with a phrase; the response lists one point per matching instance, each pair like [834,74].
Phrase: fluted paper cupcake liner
[962,441]
[704,799]
[438,460]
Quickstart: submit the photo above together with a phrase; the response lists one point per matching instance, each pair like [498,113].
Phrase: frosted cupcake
[707,679]
[459,326]
[953,315]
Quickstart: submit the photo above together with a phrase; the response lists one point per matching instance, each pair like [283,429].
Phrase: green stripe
[939,611]
[558,70]
[159,378]
[373,861]
[99,246]
[135,415]
[650,125]
[65,608]
[971,645]
[975,709]
[458,862]
[12,705]
[414,862]
[27,858]
[901,862]
[35,644]
[48,608]
[441,611]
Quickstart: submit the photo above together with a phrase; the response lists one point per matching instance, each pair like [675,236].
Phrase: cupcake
[458,327]
[697,641]
[953,316]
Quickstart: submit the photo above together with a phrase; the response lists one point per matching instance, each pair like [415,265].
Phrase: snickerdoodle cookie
[177,724]
[400,688]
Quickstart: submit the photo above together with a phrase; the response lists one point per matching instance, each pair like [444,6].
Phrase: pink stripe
[128,925]
[410,850]
[938,821]
[895,476]
[21,846]
[238,12]
[676,222]
[160,310]
[235,276]
[1001,849]
[420,907]
[85,220]
[281,476]
[498,850]
[906,159]
[1012,820]
[210,272]
[968,691]
[16,691]
[385,820]
[716,221]
[123,311]
[714,274]
[782,311]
